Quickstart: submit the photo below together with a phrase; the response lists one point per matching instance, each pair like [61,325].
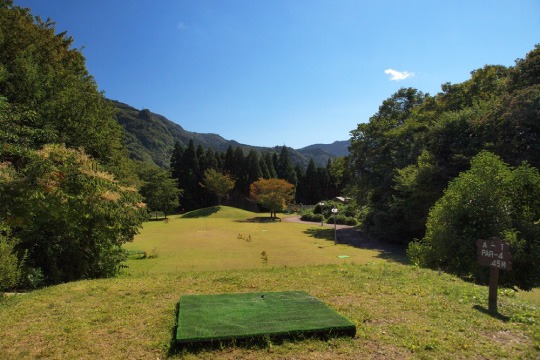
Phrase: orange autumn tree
[272,194]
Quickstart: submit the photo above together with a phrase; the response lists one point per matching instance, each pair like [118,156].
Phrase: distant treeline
[188,166]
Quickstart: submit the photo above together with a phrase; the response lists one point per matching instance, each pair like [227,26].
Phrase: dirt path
[349,235]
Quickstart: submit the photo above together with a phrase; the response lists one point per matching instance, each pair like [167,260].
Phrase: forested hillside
[455,167]
[151,137]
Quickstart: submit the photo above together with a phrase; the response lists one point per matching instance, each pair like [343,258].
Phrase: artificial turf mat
[256,316]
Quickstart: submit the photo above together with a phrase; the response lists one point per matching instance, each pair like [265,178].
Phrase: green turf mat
[207,318]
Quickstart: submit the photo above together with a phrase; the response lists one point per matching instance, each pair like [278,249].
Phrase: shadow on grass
[356,238]
[495,315]
[259,219]
[201,213]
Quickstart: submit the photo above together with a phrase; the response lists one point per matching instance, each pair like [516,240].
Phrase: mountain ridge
[151,137]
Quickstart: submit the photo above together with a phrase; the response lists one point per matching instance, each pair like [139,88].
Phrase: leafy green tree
[489,200]
[50,92]
[10,265]
[272,194]
[217,183]
[378,148]
[160,192]
[71,217]
[339,175]
[527,71]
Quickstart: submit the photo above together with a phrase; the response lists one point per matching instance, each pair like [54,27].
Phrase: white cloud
[398,75]
[181,26]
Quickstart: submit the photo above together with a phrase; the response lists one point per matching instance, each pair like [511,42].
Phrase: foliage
[10,265]
[345,218]
[272,194]
[489,200]
[189,165]
[309,216]
[70,217]
[50,96]
[217,183]
[408,152]
[159,191]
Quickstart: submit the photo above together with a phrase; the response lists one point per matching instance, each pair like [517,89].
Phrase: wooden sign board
[495,253]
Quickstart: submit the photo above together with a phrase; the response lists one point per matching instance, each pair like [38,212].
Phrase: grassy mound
[218,212]
[401,312]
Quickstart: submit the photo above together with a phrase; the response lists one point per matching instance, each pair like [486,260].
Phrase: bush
[311,217]
[72,217]
[10,266]
[489,200]
[347,213]
[343,220]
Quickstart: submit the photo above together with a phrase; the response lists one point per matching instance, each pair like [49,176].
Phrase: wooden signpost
[494,253]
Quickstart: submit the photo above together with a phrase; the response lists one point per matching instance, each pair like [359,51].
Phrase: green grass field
[233,239]
[400,311]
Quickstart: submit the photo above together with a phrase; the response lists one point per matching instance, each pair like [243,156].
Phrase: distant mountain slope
[337,148]
[151,137]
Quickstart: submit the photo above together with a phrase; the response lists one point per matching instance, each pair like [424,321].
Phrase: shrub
[311,217]
[489,200]
[10,266]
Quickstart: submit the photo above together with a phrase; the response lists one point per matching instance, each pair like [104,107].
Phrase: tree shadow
[356,238]
[495,315]
[259,219]
[200,213]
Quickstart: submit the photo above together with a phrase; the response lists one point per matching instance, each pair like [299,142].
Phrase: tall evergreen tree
[269,160]
[228,161]
[188,179]
[285,169]
[253,168]
[239,173]
[264,169]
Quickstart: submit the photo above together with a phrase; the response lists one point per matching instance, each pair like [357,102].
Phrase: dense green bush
[489,200]
[10,266]
[71,218]
[309,216]
[346,214]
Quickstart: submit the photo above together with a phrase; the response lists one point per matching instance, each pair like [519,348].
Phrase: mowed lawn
[230,239]
[400,311]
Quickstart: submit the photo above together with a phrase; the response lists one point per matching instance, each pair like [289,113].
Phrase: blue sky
[286,72]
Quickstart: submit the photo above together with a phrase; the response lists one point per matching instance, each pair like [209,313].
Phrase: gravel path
[349,235]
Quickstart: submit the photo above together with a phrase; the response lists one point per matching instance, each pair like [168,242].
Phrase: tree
[253,168]
[489,200]
[71,217]
[160,192]
[217,183]
[49,88]
[378,148]
[187,169]
[272,194]
[270,165]
[10,265]
[285,169]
